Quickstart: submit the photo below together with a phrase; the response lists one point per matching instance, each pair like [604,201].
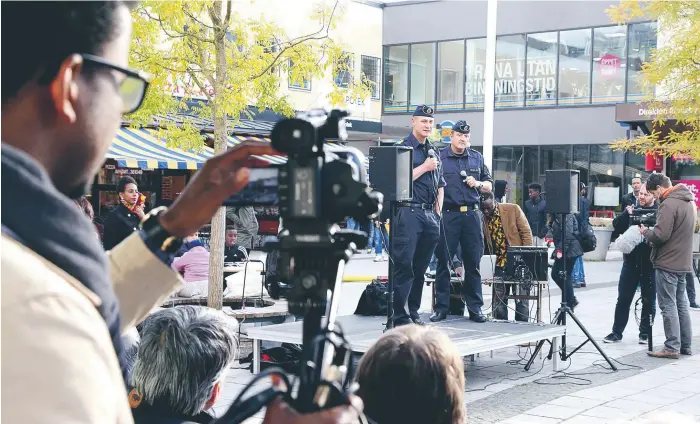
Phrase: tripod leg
[534,354]
[590,339]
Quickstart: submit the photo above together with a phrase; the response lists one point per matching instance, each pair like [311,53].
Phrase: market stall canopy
[142,148]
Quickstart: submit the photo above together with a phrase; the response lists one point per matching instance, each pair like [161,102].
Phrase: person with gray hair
[183,358]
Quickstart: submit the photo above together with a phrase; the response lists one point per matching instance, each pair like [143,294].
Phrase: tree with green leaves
[206,47]
[674,68]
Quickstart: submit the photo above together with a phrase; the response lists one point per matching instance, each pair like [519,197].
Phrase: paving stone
[555,411]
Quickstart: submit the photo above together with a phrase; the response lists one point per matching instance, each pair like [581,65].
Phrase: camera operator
[636,269]
[672,256]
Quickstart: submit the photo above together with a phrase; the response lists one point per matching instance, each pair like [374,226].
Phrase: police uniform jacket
[426,186]
[457,193]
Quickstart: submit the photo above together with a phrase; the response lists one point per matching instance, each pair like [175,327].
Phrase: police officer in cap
[417,223]
[466,176]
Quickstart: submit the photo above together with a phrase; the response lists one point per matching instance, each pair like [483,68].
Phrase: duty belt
[456,208]
[424,206]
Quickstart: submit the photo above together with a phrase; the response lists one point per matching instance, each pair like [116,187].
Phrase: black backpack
[586,236]
[373,301]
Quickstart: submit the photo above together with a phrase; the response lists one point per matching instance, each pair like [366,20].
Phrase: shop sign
[510,77]
[446,130]
[110,167]
[694,186]
[654,162]
[609,65]
[123,171]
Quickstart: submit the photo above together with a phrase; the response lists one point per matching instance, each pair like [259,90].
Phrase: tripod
[563,311]
[390,284]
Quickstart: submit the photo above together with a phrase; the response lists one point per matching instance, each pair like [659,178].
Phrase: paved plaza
[499,390]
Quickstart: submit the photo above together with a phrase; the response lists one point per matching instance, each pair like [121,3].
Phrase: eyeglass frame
[143,76]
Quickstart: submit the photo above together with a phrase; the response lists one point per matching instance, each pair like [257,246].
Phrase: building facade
[561,68]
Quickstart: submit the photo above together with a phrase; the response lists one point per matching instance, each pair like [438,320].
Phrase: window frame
[380,75]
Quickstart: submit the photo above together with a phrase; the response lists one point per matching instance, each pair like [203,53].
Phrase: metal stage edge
[469,337]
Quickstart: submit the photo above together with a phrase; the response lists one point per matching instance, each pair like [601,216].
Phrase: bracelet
[156,236]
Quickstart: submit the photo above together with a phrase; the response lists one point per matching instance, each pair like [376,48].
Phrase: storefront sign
[124,171]
[510,77]
[110,167]
[654,162]
[363,126]
[640,112]
[609,65]
[694,186]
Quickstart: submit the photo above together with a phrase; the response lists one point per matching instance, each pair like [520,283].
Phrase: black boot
[438,316]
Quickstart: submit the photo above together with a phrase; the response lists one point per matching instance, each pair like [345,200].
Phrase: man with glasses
[65,304]
[467,176]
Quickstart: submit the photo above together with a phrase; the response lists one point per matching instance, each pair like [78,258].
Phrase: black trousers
[567,285]
[416,234]
[462,229]
[634,273]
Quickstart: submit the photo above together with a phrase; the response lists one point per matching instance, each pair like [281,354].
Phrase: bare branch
[176,34]
[186,11]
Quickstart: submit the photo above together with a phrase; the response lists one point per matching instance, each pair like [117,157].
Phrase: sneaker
[385,257]
[378,258]
[612,338]
[643,339]
[686,351]
[665,353]
[695,306]
[577,285]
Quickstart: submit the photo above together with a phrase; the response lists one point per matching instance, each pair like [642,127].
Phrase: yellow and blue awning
[142,148]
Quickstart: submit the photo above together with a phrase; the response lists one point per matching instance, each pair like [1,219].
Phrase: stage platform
[470,337]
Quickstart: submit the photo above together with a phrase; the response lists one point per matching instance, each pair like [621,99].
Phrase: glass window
[369,66]
[684,168]
[574,66]
[581,161]
[510,71]
[635,166]
[605,177]
[506,164]
[541,82]
[422,75]
[475,68]
[642,42]
[450,75]
[345,68]
[553,157]
[396,79]
[530,168]
[609,56]
[297,81]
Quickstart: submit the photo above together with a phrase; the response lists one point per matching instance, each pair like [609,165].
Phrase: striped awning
[141,148]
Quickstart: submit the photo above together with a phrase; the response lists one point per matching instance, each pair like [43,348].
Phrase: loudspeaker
[391,172]
[562,187]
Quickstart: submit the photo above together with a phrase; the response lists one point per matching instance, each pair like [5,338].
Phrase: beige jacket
[58,363]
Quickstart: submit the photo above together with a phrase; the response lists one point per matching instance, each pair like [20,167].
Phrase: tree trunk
[218,223]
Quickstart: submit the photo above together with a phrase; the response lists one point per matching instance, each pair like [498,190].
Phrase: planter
[696,242]
[602,235]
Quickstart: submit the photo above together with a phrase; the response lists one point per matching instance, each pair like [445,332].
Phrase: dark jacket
[640,254]
[572,245]
[672,237]
[147,414]
[235,253]
[119,225]
[629,200]
[537,217]
[583,207]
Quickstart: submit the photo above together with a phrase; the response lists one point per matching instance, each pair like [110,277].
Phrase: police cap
[424,110]
[462,127]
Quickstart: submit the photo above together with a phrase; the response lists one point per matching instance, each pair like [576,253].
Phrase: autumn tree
[674,70]
[208,47]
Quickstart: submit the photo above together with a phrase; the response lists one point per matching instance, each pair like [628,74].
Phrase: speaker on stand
[563,186]
[391,173]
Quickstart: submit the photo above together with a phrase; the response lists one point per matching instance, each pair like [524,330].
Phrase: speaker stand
[562,312]
[393,206]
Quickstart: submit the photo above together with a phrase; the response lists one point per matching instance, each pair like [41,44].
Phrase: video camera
[642,216]
[319,186]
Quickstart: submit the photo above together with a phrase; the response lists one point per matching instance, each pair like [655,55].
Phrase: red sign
[654,162]
[609,64]
[694,186]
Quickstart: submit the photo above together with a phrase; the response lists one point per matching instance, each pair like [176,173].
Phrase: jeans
[568,285]
[690,287]
[634,272]
[501,291]
[380,239]
[578,275]
[352,224]
[673,301]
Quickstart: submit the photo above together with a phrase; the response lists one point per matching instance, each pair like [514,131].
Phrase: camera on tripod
[641,216]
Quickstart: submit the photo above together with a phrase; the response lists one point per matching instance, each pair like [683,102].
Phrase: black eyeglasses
[132,90]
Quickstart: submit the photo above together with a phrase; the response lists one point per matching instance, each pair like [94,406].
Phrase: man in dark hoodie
[672,255]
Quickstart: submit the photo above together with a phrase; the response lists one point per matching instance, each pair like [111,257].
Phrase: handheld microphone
[464,174]
[431,153]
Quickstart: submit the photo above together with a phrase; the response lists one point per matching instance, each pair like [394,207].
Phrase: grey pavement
[498,390]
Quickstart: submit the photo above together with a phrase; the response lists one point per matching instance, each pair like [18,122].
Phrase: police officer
[466,176]
[416,224]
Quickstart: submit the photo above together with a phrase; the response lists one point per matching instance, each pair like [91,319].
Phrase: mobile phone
[261,189]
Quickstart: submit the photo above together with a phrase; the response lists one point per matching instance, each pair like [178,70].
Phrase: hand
[430,164]
[630,210]
[138,211]
[438,209]
[221,176]
[471,181]
[280,412]
[642,229]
